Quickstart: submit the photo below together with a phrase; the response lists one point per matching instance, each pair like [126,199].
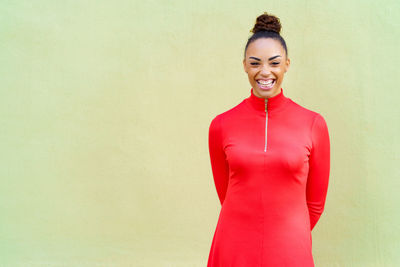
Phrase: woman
[270,160]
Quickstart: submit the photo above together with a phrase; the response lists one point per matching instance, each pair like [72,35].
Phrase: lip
[266,88]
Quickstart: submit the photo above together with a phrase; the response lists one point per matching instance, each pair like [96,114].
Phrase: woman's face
[265,63]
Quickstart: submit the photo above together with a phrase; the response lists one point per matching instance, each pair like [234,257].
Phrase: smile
[266,84]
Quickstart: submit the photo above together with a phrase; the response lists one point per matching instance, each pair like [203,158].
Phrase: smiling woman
[270,159]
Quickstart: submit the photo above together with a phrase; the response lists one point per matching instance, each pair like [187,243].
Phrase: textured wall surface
[105,108]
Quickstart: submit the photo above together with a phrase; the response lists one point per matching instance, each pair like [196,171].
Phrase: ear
[287,64]
[244,65]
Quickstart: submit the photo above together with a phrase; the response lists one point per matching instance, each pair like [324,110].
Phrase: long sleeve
[219,165]
[319,167]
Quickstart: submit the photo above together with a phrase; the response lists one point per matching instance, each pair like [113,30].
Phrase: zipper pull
[266,104]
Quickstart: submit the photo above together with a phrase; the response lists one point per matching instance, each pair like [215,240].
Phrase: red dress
[270,160]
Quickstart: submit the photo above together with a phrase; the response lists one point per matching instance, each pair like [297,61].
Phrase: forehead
[264,48]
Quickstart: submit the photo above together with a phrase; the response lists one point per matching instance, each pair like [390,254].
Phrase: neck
[273,103]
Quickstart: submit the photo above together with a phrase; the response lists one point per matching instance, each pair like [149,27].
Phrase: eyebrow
[271,58]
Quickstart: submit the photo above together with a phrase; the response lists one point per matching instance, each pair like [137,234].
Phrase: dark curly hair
[266,26]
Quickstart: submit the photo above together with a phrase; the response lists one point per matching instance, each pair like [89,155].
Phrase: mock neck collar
[275,103]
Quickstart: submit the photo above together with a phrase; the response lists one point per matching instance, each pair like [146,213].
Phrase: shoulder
[313,121]
[218,123]
[302,110]
[228,114]
[306,114]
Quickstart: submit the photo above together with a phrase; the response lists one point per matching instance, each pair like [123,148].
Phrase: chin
[266,94]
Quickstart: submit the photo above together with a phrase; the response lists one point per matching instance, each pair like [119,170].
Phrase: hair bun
[267,22]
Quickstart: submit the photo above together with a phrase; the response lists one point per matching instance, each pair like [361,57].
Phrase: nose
[265,69]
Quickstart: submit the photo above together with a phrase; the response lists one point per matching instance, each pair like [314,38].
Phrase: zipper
[266,124]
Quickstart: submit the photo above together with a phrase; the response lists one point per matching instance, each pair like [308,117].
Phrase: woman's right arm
[219,164]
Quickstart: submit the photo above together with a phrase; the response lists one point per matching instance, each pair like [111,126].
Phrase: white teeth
[269,82]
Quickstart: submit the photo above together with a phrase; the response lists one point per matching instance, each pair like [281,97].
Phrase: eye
[275,63]
[253,63]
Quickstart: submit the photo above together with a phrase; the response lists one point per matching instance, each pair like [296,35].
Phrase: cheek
[280,73]
[251,79]
[250,73]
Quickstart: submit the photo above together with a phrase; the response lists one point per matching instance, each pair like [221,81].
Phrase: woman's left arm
[319,167]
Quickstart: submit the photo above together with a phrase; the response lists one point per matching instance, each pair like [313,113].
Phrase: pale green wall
[105,108]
